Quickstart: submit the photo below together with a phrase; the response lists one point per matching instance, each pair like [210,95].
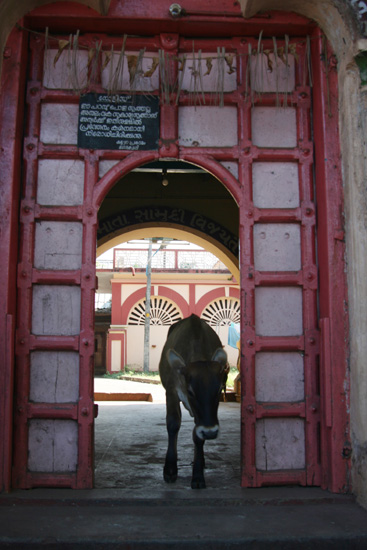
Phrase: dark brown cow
[193,369]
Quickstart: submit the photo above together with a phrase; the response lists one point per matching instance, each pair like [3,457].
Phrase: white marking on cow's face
[207,432]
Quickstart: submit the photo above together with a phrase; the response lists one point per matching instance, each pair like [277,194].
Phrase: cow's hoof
[198,484]
[169,476]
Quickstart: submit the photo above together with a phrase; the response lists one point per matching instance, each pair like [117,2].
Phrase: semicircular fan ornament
[162,312]
[222,312]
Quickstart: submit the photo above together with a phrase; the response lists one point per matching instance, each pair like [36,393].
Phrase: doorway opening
[266,157]
[130,435]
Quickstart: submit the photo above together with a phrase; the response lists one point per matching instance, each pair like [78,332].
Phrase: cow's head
[199,385]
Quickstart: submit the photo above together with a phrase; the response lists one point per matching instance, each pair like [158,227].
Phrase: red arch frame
[214,295]
[138,295]
[334,327]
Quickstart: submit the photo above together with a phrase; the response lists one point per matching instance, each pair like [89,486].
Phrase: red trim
[234,292]
[11,116]
[139,294]
[116,311]
[129,303]
[334,329]
[176,298]
[333,289]
[116,337]
[220,18]
[209,297]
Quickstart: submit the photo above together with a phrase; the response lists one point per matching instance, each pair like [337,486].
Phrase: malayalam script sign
[122,122]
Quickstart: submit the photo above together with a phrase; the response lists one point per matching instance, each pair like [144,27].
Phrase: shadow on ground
[131,443]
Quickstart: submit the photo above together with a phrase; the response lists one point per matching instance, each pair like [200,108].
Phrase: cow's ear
[175,360]
[220,357]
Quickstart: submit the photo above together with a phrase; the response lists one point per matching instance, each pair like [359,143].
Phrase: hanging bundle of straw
[260,62]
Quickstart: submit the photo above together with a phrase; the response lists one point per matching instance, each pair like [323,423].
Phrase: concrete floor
[132,508]
[131,443]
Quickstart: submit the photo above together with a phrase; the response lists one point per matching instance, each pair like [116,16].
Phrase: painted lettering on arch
[161,214]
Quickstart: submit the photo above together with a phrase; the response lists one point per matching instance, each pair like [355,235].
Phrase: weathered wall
[353,137]
[342,23]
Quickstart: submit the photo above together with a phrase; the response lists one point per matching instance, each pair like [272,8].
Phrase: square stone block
[280,444]
[58,245]
[207,126]
[271,75]
[275,184]
[274,127]
[279,377]
[56,310]
[277,247]
[278,311]
[59,123]
[59,75]
[127,79]
[52,445]
[213,73]
[54,377]
[60,182]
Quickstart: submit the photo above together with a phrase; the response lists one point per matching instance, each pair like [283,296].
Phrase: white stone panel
[60,74]
[275,184]
[116,364]
[60,182]
[52,445]
[54,377]
[207,126]
[279,377]
[208,74]
[232,167]
[135,347]
[128,78]
[158,336]
[58,245]
[271,75]
[59,123]
[105,166]
[278,311]
[277,247]
[280,444]
[56,310]
[274,127]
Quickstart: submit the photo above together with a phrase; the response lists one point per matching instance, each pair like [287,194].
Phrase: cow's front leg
[173,421]
[198,481]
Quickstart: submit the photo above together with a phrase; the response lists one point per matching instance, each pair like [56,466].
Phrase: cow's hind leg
[173,421]
[198,480]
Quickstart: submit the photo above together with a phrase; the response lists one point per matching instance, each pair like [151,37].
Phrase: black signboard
[118,122]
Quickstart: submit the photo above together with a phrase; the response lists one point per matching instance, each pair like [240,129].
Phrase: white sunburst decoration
[222,312]
[162,312]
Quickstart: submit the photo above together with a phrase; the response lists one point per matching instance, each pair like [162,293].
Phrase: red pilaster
[11,115]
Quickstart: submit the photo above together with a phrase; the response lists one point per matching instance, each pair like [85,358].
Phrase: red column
[11,115]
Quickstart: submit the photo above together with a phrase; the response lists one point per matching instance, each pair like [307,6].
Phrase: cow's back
[193,339]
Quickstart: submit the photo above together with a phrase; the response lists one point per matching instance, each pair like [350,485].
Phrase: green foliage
[361,60]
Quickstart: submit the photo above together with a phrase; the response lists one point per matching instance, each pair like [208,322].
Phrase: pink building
[183,282]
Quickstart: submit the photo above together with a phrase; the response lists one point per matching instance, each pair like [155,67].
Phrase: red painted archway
[317,283]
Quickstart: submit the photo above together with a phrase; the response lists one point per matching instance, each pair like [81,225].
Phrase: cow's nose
[207,432]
